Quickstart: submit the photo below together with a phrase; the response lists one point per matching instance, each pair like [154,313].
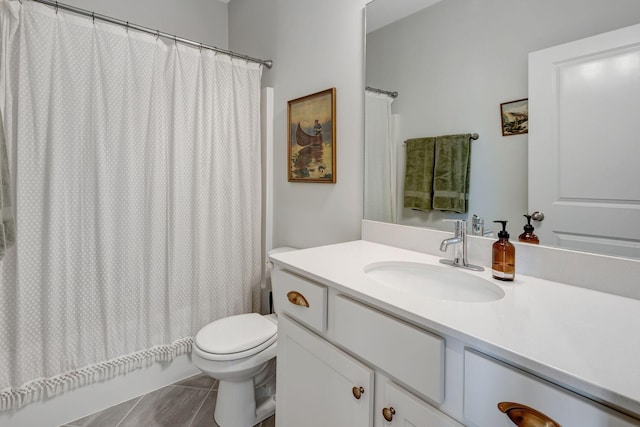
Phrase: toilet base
[246,403]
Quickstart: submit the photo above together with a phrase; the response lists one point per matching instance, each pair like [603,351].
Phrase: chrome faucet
[459,239]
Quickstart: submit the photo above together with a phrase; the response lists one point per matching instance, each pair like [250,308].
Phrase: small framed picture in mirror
[515,117]
[312,138]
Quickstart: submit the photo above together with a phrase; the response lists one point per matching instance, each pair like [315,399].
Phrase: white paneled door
[584,144]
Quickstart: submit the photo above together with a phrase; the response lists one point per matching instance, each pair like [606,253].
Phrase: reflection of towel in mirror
[418,177]
[451,173]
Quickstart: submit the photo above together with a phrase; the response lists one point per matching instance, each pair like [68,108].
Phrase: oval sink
[434,281]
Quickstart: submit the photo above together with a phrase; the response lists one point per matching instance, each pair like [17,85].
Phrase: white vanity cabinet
[321,384]
[545,354]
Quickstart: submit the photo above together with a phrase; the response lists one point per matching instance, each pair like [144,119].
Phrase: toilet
[240,352]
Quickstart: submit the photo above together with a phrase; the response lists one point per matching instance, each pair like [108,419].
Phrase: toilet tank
[270,266]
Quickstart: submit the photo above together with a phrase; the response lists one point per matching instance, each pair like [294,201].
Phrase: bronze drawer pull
[297,298]
[388,413]
[357,392]
[524,416]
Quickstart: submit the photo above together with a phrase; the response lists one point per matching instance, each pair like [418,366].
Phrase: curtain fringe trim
[38,389]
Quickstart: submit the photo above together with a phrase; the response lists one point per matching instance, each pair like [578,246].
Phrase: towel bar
[475,136]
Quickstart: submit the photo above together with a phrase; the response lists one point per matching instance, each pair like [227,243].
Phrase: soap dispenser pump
[528,236]
[503,262]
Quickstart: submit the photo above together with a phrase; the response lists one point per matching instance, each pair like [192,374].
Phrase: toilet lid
[235,334]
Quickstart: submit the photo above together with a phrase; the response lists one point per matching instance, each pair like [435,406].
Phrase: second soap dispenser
[528,236]
[503,259]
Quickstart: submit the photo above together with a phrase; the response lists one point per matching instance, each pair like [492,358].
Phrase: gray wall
[315,45]
[253,31]
[455,62]
[204,21]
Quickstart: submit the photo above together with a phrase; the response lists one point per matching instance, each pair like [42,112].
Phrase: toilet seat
[235,337]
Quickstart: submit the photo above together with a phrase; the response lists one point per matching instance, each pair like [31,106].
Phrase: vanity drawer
[411,355]
[300,298]
[488,383]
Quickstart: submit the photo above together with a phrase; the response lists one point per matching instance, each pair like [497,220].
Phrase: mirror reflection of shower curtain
[380,150]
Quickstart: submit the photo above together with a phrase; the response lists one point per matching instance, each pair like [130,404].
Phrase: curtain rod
[384,92]
[267,63]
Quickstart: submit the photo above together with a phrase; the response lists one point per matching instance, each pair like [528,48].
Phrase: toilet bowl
[240,352]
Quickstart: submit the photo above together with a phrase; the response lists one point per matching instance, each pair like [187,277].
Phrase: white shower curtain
[380,159]
[136,180]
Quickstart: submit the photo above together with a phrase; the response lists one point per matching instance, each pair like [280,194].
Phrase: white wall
[253,31]
[455,62]
[315,45]
[204,21]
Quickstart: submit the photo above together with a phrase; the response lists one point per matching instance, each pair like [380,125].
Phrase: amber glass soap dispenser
[528,236]
[503,263]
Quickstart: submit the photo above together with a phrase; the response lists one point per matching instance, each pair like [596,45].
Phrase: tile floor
[188,403]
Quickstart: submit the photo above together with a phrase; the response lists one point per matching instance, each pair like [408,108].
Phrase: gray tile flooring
[189,403]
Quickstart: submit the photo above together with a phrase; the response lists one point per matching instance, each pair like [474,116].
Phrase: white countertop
[584,340]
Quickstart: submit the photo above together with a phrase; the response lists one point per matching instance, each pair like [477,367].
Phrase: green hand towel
[418,178]
[451,173]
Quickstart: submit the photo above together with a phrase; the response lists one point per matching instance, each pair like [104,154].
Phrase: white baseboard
[72,405]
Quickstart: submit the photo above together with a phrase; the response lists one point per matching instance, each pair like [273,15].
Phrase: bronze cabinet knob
[388,413]
[357,392]
[524,416]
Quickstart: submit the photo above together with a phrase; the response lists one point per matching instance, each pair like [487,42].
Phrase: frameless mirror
[453,63]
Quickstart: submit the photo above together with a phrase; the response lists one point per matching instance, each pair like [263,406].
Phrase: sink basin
[433,281]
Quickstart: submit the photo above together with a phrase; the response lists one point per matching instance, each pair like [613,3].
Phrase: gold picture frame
[312,138]
[515,117]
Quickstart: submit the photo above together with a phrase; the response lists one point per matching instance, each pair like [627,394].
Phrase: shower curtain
[380,159]
[136,181]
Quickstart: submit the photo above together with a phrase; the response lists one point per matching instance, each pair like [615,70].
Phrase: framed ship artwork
[312,137]
[515,117]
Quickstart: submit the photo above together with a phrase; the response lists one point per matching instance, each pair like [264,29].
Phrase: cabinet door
[404,409]
[319,385]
